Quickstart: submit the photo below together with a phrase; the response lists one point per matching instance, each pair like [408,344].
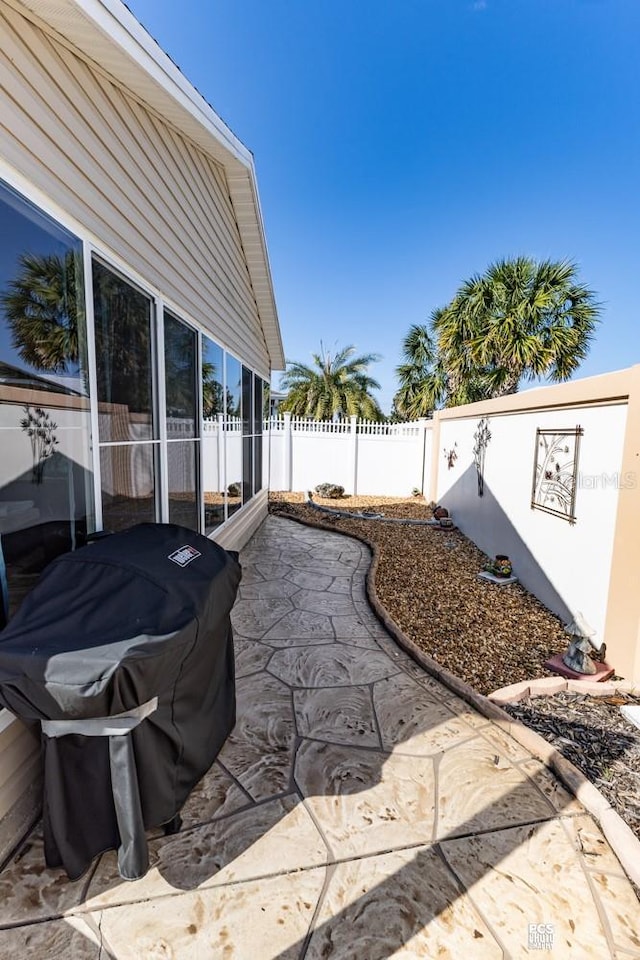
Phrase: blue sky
[403,145]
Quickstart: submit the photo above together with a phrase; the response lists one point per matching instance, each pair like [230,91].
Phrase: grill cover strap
[133,855]
[116,726]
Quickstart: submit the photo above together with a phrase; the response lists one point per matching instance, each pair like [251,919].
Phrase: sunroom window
[128,422]
[46,481]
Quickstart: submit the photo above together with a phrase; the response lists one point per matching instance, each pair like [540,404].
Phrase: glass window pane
[212,379]
[233,434]
[233,454]
[247,402]
[213,434]
[247,468]
[234,387]
[257,451]
[128,485]
[46,481]
[257,405]
[184,500]
[180,351]
[213,475]
[123,334]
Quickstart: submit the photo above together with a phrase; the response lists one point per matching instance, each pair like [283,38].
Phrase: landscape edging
[621,838]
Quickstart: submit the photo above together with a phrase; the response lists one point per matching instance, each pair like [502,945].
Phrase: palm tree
[425,381]
[44,308]
[335,386]
[518,321]
[420,383]
[41,307]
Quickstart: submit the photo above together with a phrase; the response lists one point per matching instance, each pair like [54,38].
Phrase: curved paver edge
[621,838]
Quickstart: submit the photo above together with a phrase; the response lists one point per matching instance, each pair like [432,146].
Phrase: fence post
[287,453]
[266,452]
[435,459]
[353,430]
[425,424]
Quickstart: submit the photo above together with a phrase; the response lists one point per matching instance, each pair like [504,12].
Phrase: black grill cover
[135,616]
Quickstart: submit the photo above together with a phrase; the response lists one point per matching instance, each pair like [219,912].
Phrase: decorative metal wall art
[555,472]
[480,443]
[451,456]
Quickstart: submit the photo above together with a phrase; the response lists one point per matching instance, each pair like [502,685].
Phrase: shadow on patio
[359,810]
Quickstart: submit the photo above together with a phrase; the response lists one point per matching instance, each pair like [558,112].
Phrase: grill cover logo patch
[184,555]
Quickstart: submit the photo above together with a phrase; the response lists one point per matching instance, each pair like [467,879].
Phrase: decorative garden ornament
[581,646]
[500,567]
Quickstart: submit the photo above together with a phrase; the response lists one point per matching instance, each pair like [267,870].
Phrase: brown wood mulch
[593,735]
[489,636]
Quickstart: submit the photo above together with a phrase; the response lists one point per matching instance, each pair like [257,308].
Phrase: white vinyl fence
[362,456]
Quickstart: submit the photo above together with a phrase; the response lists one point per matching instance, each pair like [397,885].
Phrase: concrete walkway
[359,811]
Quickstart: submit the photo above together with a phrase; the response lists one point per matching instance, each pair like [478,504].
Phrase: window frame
[94,249]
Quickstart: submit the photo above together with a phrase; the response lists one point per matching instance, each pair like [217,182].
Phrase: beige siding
[155,200]
[20,762]
[159,202]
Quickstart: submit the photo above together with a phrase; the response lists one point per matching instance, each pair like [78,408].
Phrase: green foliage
[518,321]
[41,306]
[336,386]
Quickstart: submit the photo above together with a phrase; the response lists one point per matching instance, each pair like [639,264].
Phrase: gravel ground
[488,636]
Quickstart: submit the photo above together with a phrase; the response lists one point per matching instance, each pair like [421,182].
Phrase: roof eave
[107,33]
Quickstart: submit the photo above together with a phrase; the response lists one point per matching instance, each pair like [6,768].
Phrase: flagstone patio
[359,810]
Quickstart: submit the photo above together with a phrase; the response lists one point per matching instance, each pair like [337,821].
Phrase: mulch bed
[489,636]
[592,734]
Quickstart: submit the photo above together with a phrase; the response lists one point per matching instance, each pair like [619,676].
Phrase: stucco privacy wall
[565,565]
[83,141]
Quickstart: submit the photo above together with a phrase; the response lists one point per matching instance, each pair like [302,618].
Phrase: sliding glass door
[182,422]
[46,467]
[127,414]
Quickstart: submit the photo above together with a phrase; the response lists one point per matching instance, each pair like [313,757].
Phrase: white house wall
[565,565]
[143,191]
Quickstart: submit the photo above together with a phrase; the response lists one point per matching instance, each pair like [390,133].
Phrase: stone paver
[358,811]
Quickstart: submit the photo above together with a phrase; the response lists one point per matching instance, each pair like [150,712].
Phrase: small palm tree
[420,385]
[337,385]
